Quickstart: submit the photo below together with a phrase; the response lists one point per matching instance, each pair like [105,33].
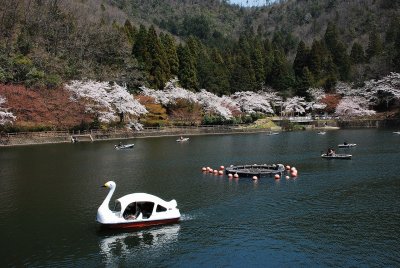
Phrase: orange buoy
[221,167]
[211,170]
[255,178]
[294,173]
[230,176]
[215,172]
[287,177]
[203,169]
[277,176]
[293,168]
[287,167]
[236,175]
[220,172]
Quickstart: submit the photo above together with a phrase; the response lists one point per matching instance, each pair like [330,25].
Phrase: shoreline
[55,137]
[106,136]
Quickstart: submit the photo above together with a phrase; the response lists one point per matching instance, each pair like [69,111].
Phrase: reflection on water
[115,246]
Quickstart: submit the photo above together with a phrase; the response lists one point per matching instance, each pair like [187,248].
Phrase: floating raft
[256,170]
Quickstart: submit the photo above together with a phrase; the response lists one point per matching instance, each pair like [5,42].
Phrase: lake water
[336,213]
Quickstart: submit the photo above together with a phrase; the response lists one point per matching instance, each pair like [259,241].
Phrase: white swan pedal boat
[136,210]
[336,156]
[347,145]
[124,146]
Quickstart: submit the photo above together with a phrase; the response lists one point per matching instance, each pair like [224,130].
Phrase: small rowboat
[396,132]
[336,156]
[272,133]
[182,139]
[124,146]
[347,145]
[321,133]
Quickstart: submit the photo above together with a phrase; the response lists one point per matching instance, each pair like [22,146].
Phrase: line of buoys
[213,171]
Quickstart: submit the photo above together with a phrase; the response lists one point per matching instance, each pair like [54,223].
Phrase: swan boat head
[104,214]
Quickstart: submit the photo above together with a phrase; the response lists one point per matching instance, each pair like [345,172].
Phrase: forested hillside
[289,46]
[208,44]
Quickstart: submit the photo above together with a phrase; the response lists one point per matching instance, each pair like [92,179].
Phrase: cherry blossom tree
[222,106]
[294,105]
[105,100]
[353,106]
[383,90]
[225,106]
[5,116]
[252,102]
[171,92]
[374,91]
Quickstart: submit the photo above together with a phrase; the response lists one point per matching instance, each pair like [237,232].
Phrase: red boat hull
[138,225]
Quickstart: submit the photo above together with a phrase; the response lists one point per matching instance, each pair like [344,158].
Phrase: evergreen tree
[357,54]
[268,61]
[396,59]
[338,51]
[243,77]
[187,70]
[304,81]
[392,31]
[157,63]
[301,59]
[257,62]
[315,59]
[220,77]
[375,45]
[280,76]
[130,31]
[139,49]
[168,43]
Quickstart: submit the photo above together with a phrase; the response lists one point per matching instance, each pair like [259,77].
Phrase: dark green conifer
[157,64]
[168,43]
[301,59]
[243,77]
[130,31]
[304,81]
[375,45]
[357,54]
[187,70]
[139,49]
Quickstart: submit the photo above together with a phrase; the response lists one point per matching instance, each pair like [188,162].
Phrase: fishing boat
[124,146]
[181,139]
[347,145]
[260,170]
[336,156]
[137,210]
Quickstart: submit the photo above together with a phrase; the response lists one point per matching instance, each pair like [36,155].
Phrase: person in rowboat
[330,152]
